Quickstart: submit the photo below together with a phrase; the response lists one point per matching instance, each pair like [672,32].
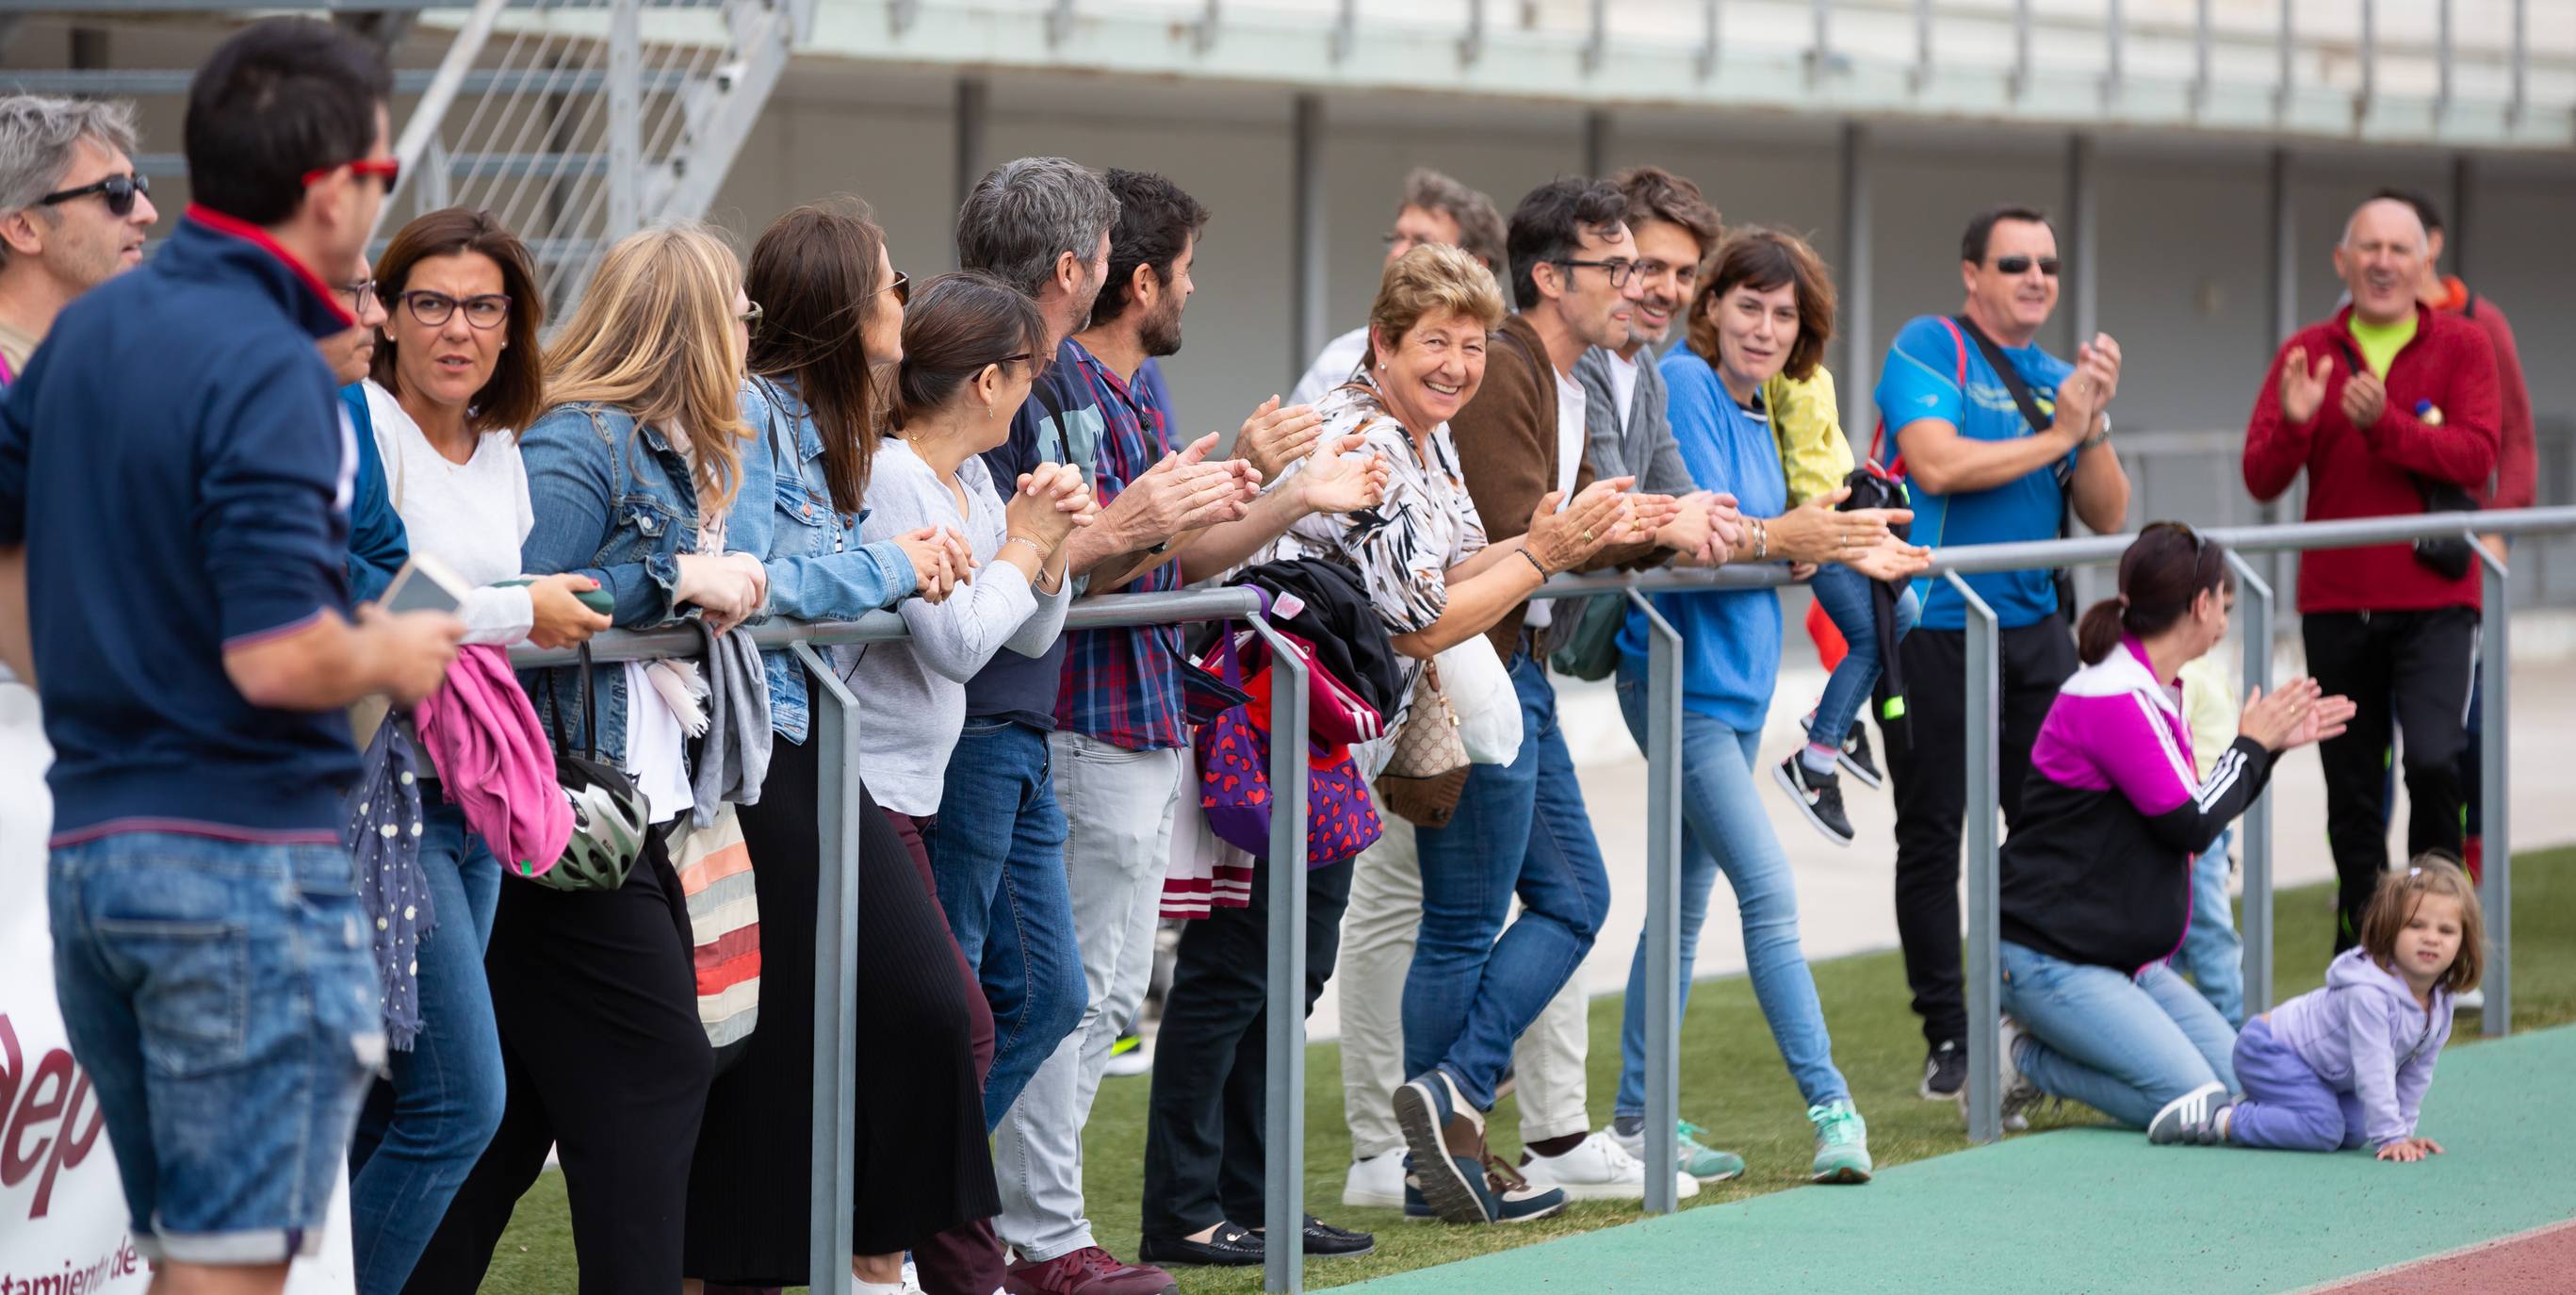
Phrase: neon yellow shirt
[2381,342]
[1808,426]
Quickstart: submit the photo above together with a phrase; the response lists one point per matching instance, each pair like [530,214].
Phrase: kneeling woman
[2097,875]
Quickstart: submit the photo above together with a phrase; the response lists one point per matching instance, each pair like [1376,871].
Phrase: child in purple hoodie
[2347,1065]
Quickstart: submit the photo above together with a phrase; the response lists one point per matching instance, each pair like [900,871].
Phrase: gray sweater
[923,680]
[1644,447]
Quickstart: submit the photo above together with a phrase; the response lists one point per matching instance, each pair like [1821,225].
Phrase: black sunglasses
[120,191]
[901,288]
[2022,264]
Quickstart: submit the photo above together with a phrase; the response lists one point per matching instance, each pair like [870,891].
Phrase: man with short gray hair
[73,211]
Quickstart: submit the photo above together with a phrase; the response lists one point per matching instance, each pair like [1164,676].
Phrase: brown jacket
[1506,440]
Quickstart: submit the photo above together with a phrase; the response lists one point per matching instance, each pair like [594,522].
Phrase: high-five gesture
[2303,388]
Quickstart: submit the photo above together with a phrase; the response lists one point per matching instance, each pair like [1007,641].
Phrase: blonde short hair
[654,336]
[1432,279]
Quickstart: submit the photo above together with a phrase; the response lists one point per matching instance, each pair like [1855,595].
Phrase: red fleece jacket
[2517,474]
[2448,369]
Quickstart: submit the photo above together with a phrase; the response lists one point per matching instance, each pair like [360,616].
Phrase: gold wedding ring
[1587,535]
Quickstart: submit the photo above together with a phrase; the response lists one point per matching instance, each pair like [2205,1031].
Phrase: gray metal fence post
[2254,621]
[1284,1132]
[833,1188]
[2495,787]
[1663,907]
[1985,963]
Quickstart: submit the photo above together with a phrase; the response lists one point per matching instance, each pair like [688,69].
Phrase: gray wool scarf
[734,757]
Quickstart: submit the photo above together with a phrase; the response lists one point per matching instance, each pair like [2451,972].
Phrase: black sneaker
[1818,796]
[1945,1073]
[1859,761]
[1228,1247]
[1324,1241]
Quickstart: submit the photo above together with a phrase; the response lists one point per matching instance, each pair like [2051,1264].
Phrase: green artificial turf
[1732,1081]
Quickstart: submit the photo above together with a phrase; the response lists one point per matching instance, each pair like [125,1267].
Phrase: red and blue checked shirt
[1122,686]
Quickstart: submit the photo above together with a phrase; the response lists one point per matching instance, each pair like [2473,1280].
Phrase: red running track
[2538,1262]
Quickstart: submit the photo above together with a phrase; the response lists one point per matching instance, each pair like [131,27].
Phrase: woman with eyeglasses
[633,471]
[849,532]
[2097,874]
[456,374]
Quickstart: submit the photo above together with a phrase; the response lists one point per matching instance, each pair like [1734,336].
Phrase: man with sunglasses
[175,550]
[2001,441]
[73,212]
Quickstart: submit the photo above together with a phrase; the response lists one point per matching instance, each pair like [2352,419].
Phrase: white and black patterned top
[1403,548]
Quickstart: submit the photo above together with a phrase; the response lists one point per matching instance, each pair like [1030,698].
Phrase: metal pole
[625,118]
[2285,295]
[1596,43]
[421,128]
[1306,256]
[1663,907]
[2369,57]
[1596,142]
[2283,44]
[1708,44]
[1860,351]
[974,109]
[2495,789]
[2114,54]
[2200,41]
[2083,223]
[2254,621]
[1922,44]
[1985,962]
[833,1191]
[1822,55]
[2520,96]
[2021,48]
[1283,1207]
[2443,55]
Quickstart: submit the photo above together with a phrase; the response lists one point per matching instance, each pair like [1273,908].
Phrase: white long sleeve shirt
[471,516]
[924,678]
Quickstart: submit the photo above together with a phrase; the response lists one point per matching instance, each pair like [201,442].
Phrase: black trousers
[1203,1139]
[1927,757]
[606,1061]
[2412,669]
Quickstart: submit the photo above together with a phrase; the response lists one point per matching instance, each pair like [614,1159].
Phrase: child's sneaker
[1859,761]
[1818,796]
[1842,1143]
[2197,1118]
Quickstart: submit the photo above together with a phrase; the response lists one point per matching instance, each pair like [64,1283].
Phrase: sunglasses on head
[119,191]
[2021,265]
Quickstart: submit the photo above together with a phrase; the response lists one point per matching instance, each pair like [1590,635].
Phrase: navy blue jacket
[176,462]
[378,545]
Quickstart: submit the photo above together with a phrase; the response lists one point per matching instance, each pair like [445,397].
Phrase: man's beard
[1162,335]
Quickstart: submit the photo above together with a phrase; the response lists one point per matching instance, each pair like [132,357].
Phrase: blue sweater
[176,463]
[1730,638]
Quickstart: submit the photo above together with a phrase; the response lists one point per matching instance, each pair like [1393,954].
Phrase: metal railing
[836,732]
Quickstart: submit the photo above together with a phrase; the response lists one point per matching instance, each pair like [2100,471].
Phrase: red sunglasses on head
[387,169]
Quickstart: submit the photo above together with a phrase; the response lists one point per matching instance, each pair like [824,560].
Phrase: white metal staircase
[576,121]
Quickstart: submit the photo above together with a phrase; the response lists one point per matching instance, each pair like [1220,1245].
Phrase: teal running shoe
[1842,1143]
[1702,1162]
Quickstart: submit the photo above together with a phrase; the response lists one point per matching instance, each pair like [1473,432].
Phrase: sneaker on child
[1818,796]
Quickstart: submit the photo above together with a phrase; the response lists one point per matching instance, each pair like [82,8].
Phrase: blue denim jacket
[785,515]
[619,507]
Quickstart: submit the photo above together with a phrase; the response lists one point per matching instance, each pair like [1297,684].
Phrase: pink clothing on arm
[493,760]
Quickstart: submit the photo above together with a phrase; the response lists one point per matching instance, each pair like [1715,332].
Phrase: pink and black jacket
[2098,869]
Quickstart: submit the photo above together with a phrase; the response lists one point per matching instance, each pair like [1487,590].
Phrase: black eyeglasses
[358,294]
[432,309]
[1619,271]
[901,288]
[2021,265]
[120,191]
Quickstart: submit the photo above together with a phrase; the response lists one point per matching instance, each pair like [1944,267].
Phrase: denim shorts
[222,997]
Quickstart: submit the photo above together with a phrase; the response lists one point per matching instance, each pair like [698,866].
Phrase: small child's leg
[2356,1124]
[2286,1106]
[1845,596]
[2211,950]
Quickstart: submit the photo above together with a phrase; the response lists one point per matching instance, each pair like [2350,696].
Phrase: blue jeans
[1520,829]
[421,1133]
[1725,827]
[2123,1045]
[997,851]
[1847,602]
[221,995]
[2211,953]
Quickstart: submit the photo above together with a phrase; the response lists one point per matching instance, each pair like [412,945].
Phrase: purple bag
[1234,781]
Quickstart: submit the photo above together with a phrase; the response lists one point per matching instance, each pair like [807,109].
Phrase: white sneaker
[1376,1182]
[1598,1169]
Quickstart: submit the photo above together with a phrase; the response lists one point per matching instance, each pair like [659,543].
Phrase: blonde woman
[632,471]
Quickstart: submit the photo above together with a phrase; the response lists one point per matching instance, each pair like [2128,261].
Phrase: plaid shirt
[1123,686]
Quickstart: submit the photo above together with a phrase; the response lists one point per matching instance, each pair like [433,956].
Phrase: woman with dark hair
[833,329]
[2097,874]
[1763,308]
[456,376]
